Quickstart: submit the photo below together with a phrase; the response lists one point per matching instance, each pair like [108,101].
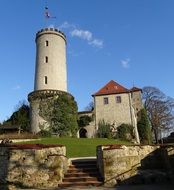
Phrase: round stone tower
[50,77]
[50,60]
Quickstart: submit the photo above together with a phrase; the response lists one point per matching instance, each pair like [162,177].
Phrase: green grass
[79,147]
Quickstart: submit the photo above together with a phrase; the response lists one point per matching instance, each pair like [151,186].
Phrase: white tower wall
[50,71]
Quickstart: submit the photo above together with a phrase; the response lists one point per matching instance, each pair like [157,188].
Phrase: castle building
[116,105]
[113,103]
[50,74]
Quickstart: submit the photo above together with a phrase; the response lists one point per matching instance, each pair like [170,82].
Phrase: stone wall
[32,166]
[120,163]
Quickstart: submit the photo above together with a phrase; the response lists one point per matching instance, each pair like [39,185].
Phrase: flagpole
[47,15]
[45,19]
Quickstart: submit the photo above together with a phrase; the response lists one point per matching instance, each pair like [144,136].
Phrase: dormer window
[115,87]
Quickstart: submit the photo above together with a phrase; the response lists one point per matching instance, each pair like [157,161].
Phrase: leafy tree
[61,113]
[159,110]
[104,129]
[84,121]
[144,129]
[20,117]
[125,132]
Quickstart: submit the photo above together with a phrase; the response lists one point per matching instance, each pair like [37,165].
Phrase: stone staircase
[82,173]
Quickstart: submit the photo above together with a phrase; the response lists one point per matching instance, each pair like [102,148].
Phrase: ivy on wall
[60,113]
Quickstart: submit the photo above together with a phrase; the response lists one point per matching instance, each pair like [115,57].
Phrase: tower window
[118,99]
[105,100]
[46,80]
[46,43]
[46,59]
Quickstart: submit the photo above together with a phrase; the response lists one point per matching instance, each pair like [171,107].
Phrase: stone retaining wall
[119,163]
[32,165]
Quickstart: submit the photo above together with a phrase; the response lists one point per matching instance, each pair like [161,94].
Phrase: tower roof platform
[50,31]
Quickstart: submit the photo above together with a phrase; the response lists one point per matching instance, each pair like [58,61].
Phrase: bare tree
[90,106]
[159,109]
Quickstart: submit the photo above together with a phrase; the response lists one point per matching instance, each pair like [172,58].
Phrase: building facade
[116,104]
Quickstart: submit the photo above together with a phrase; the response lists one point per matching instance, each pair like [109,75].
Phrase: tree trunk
[156,135]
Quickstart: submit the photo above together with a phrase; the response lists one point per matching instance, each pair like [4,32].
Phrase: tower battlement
[53,31]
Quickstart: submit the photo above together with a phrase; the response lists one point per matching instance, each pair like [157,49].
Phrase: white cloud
[83,34]
[17,87]
[125,63]
[88,36]
[66,25]
[97,43]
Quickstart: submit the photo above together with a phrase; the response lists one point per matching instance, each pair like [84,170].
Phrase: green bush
[104,129]
[144,129]
[44,133]
[125,132]
[84,121]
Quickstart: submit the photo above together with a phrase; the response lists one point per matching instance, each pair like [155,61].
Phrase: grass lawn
[79,147]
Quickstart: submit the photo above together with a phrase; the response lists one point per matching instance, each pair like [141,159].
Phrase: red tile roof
[135,89]
[111,88]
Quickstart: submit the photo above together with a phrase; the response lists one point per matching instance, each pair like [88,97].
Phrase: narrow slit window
[46,59]
[46,80]
[46,43]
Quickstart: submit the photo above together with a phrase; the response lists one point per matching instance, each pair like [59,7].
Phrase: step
[81,179]
[84,163]
[82,174]
[80,184]
[91,165]
[83,167]
[84,170]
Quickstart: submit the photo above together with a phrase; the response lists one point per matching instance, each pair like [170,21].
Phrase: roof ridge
[111,87]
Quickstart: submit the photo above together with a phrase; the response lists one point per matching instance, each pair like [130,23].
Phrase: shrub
[125,132]
[44,133]
[104,129]
[144,129]
[84,121]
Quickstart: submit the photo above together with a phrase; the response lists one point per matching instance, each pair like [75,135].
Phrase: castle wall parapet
[51,31]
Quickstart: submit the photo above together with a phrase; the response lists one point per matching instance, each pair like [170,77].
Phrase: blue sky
[129,41]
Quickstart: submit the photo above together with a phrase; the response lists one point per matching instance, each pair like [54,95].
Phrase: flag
[47,14]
